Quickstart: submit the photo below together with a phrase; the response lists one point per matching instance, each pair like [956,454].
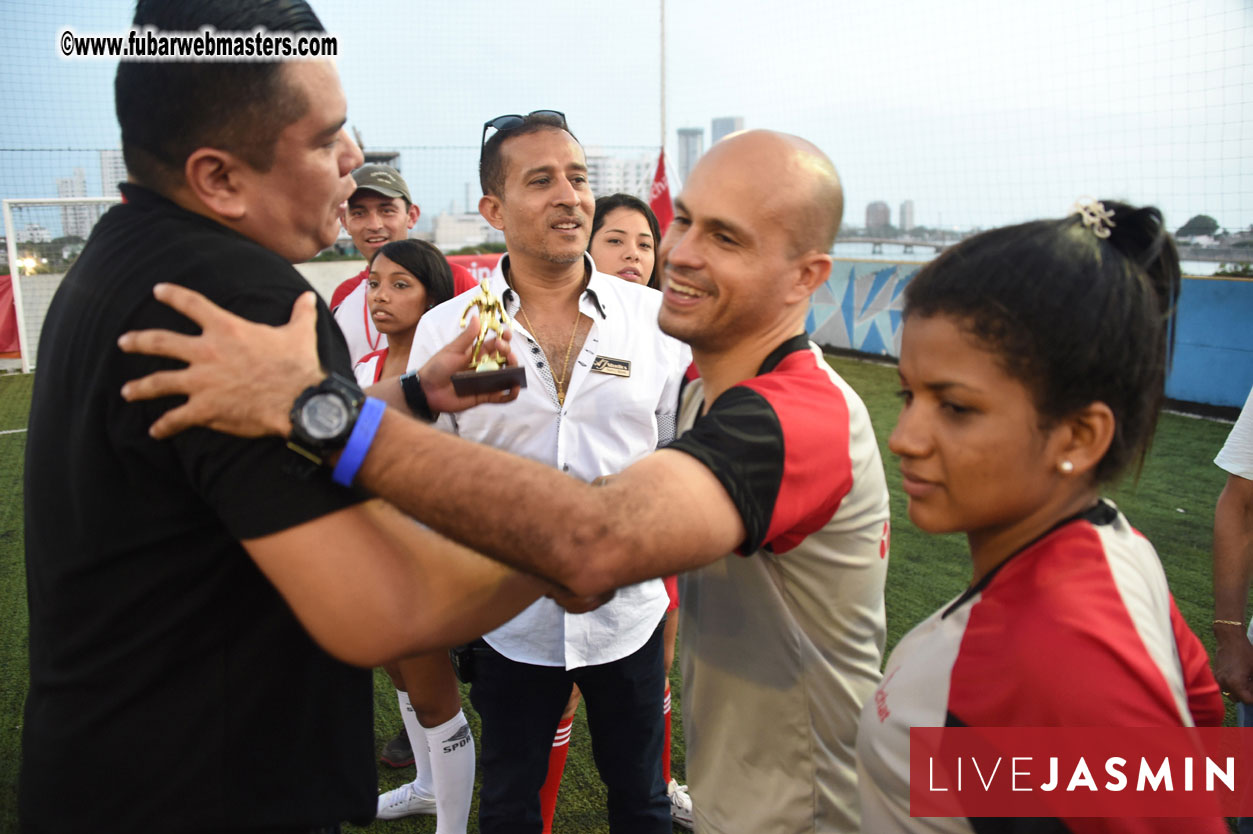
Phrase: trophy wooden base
[467,383]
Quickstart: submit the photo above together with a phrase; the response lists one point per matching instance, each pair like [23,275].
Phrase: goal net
[42,239]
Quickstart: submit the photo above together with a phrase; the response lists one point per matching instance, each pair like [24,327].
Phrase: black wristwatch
[323,416]
[415,397]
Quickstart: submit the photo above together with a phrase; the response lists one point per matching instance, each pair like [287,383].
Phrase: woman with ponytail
[1032,366]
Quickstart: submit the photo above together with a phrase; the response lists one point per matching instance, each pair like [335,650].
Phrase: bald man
[772,500]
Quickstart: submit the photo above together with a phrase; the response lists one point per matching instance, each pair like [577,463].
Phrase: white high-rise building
[615,174]
[456,231]
[724,125]
[878,217]
[691,146]
[76,221]
[907,215]
[112,171]
[33,233]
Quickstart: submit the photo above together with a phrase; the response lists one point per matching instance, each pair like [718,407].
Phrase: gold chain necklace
[561,390]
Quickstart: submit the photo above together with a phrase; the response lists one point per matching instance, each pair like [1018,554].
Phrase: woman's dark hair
[1075,317]
[424,262]
[605,205]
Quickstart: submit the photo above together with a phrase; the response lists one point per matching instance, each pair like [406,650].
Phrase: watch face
[324,416]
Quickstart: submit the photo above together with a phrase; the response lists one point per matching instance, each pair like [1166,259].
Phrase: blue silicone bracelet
[359,441]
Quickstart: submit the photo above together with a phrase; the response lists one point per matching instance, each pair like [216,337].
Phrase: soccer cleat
[680,805]
[397,752]
[405,802]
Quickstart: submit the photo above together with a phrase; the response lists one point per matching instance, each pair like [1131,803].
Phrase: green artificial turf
[1172,502]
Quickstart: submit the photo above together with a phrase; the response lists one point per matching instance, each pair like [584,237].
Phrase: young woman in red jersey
[1033,362]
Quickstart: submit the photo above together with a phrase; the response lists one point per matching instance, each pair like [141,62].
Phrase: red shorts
[672,588]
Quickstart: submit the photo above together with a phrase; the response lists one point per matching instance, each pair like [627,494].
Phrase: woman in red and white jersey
[407,278]
[1032,366]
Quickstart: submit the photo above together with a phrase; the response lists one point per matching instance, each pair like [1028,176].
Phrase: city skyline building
[878,216]
[33,233]
[608,174]
[112,172]
[907,216]
[391,158]
[455,231]
[691,147]
[76,221]
[724,125]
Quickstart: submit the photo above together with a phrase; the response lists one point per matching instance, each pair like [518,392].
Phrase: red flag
[659,198]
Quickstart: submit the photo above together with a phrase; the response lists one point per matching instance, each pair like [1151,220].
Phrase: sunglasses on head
[513,121]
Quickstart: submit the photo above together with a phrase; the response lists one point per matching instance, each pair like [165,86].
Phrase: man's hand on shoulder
[241,377]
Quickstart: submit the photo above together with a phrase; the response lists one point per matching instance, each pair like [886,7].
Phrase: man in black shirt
[199,609]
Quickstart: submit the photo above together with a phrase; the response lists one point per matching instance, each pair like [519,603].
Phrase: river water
[893,254]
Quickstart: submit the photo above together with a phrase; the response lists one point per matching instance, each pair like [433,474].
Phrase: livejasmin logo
[1019,770]
[1080,772]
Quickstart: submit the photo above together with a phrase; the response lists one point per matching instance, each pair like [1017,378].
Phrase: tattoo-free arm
[1233,567]
[665,514]
[370,585]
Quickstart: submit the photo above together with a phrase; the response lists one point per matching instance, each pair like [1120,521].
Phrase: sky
[982,113]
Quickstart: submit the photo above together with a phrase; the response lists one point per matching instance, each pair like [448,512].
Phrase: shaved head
[804,189]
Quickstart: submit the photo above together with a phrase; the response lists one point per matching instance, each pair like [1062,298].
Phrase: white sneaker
[405,802]
[680,805]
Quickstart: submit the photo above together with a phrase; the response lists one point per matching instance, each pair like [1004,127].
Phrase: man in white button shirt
[602,391]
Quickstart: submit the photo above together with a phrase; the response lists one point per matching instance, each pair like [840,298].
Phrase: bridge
[1220,254]
[906,243]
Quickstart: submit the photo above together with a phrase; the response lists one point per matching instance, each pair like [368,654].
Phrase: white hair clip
[1094,215]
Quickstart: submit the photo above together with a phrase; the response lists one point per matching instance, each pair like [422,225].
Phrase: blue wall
[860,308]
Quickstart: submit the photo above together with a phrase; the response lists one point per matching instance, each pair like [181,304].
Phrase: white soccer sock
[417,740]
[452,763]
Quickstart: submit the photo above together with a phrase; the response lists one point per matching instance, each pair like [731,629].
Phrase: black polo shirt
[171,688]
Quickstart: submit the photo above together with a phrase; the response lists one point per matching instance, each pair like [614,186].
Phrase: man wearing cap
[379,211]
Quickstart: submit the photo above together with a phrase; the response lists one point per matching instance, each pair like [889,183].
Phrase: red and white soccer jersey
[782,644]
[370,368]
[1078,629]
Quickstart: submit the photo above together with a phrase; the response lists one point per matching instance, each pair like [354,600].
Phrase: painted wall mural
[859,307]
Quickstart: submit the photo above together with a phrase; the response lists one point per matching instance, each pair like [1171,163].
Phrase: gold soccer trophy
[489,372]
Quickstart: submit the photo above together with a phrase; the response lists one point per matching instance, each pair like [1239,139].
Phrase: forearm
[370,585]
[517,511]
[389,391]
[1233,549]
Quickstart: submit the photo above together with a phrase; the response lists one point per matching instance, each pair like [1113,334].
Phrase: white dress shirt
[609,421]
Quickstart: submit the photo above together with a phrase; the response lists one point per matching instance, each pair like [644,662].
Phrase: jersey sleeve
[1205,702]
[782,456]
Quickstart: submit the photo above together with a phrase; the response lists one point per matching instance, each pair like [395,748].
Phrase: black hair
[491,163]
[169,109]
[1076,318]
[605,205]
[424,262]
